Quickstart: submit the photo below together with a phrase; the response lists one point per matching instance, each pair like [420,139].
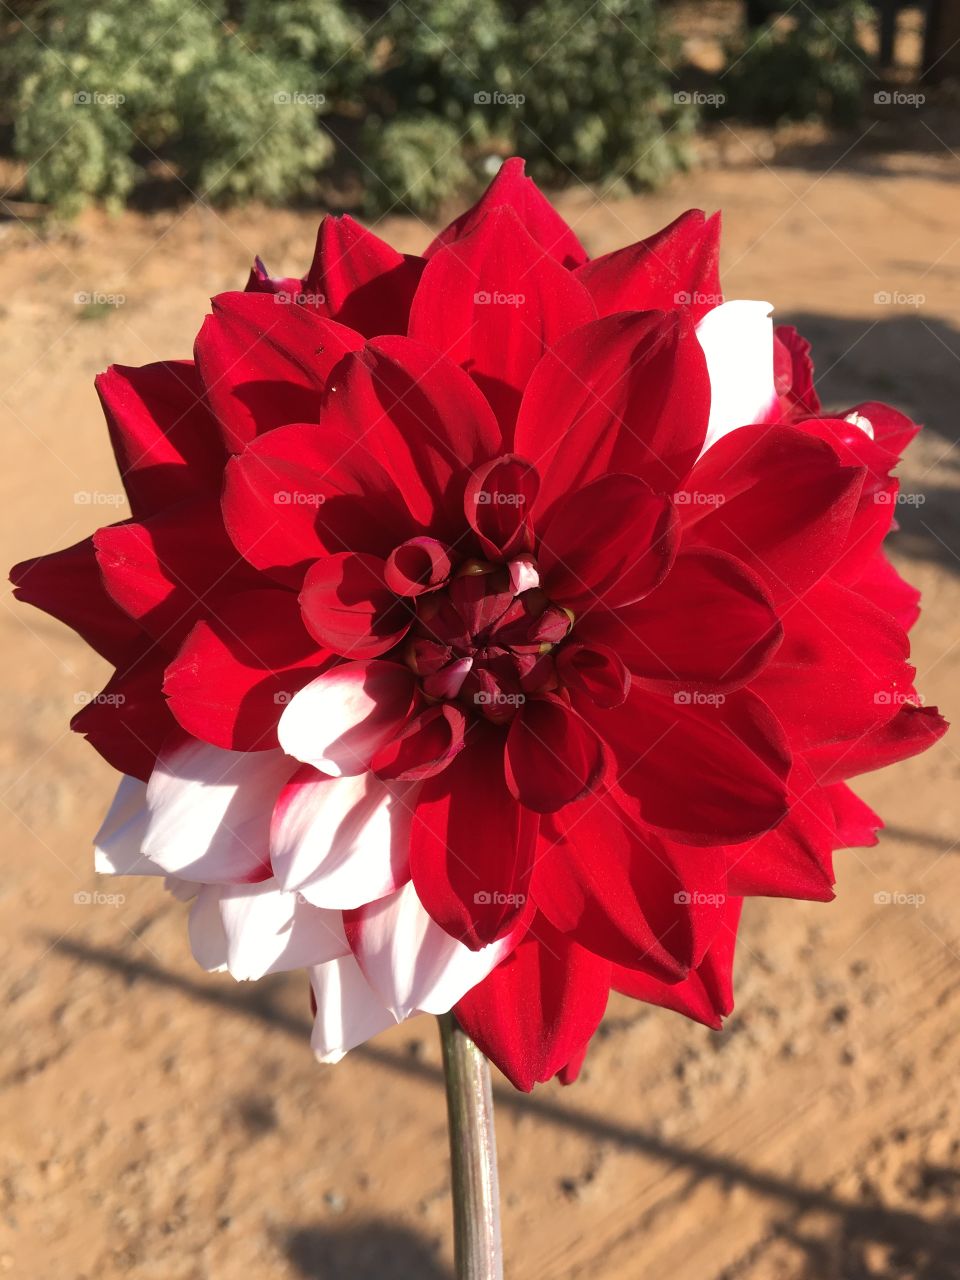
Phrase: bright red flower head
[490,625]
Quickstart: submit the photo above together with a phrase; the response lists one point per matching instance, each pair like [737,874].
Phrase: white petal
[342,842]
[737,340]
[414,964]
[208,941]
[348,1012]
[209,812]
[861,421]
[269,931]
[338,721]
[118,844]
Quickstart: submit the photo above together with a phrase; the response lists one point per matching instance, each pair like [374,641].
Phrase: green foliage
[811,67]
[236,97]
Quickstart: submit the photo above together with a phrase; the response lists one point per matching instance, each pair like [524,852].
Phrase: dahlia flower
[489,624]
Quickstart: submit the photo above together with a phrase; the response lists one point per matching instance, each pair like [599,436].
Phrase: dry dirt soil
[161,1124]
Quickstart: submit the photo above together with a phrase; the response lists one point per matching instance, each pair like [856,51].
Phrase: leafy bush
[812,66]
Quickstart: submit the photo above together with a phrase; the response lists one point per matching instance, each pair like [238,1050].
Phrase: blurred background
[166,1125]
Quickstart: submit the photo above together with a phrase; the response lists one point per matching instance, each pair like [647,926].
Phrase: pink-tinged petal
[625,894]
[498,504]
[709,626]
[264,362]
[129,721]
[425,747]
[676,267]
[539,1007]
[208,939]
[358,280]
[169,570]
[166,441]
[68,585]
[912,730]
[777,499]
[706,994]
[340,721]
[612,541]
[703,769]
[524,574]
[841,671]
[595,671]
[269,931]
[857,825]
[628,393]
[422,419]
[341,842]
[417,566]
[234,673]
[305,491]
[117,846]
[410,962]
[472,845]
[348,607]
[494,302]
[512,188]
[737,340]
[552,756]
[348,1011]
[210,812]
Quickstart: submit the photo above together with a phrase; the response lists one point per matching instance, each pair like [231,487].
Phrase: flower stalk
[478,1247]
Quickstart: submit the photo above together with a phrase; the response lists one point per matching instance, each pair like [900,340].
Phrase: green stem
[473,1156]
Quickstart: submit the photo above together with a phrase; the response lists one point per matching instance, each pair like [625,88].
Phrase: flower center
[487,639]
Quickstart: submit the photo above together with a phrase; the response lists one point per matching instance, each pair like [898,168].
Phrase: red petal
[596,671]
[68,585]
[891,428]
[612,541]
[348,607]
[629,393]
[676,267]
[776,498]
[472,845]
[883,586]
[498,502]
[362,281]
[912,730]
[128,722]
[494,302]
[235,672]
[537,1009]
[521,194]
[264,362]
[856,823]
[793,371]
[552,755]
[416,566]
[425,747]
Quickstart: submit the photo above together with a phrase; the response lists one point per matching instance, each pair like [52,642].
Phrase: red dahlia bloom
[489,625]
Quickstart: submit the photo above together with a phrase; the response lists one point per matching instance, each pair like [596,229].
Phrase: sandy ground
[161,1124]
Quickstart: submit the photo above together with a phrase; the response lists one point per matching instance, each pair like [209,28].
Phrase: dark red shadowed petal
[776,498]
[493,301]
[610,542]
[129,721]
[676,267]
[793,372]
[629,393]
[422,419]
[170,570]
[235,673]
[472,845]
[305,491]
[538,1008]
[68,585]
[164,437]
[704,769]
[552,755]
[261,281]
[570,1073]
[912,730]
[706,994]
[709,626]
[512,188]
[856,823]
[348,607]
[425,747]
[264,362]
[417,566]
[362,281]
[498,503]
[596,671]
